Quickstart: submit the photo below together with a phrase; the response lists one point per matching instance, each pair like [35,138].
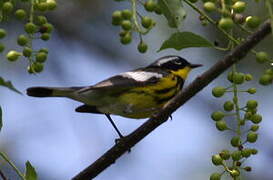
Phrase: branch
[182,97]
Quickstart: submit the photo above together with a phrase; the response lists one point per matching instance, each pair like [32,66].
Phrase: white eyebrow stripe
[164,60]
[141,75]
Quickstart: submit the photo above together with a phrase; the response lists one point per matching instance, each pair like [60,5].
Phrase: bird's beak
[195,65]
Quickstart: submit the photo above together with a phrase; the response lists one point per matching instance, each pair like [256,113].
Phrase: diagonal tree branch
[197,85]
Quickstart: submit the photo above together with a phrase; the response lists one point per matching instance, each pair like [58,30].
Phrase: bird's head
[177,65]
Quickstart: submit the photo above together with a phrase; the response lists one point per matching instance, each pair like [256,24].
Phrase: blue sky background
[60,142]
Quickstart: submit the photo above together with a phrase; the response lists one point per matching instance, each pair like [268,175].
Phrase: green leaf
[181,40]
[9,85]
[30,172]
[174,12]
[1,122]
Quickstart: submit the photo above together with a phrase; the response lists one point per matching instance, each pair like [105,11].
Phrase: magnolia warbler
[134,94]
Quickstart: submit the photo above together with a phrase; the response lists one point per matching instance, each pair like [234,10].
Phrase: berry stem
[230,37]
[135,20]
[5,157]
[236,103]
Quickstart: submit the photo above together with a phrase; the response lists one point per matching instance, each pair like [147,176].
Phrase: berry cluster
[36,27]
[267,77]
[231,13]
[232,160]
[130,20]
[232,16]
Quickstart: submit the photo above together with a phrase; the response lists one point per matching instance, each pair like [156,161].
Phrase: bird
[136,94]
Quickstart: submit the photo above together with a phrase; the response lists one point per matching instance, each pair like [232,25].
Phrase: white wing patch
[141,75]
[166,59]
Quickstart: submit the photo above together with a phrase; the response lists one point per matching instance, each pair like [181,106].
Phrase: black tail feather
[39,92]
[87,109]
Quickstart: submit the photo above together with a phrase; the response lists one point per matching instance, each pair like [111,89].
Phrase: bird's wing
[127,80]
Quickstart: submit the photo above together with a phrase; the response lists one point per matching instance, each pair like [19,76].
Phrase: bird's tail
[51,91]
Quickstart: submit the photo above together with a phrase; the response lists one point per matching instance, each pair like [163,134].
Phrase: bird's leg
[115,127]
[171,117]
[113,124]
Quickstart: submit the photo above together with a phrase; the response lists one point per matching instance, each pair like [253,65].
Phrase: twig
[197,85]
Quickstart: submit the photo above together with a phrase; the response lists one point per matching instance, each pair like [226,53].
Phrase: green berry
[225,13]
[238,78]
[13,55]
[41,20]
[226,23]
[38,67]
[30,69]
[116,18]
[265,79]
[45,36]
[51,4]
[251,104]
[236,155]
[239,7]
[262,57]
[150,5]
[269,72]
[251,90]
[256,118]
[41,57]
[230,76]
[126,39]
[218,91]
[216,160]
[248,77]
[225,154]
[126,25]
[209,6]
[253,111]
[142,47]
[158,9]
[253,21]
[7,7]
[217,116]
[234,173]
[248,115]
[42,6]
[254,151]
[254,128]
[30,28]
[27,52]
[2,47]
[228,106]
[22,40]
[252,137]
[246,153]
[221,125]
[3,33]
[20,14]
[45,50]
[235,141]
[146,22]
[126,14]
[49,27]
[215,176]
